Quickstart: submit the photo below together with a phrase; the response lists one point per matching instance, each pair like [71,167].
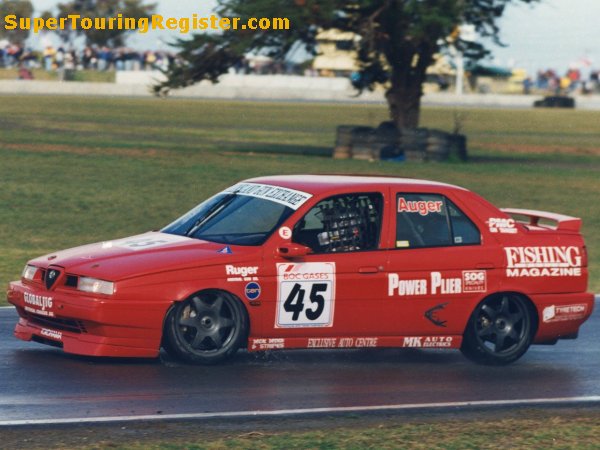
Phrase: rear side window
[431,220]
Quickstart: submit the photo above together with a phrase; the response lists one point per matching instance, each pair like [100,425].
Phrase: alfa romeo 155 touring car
[316,262]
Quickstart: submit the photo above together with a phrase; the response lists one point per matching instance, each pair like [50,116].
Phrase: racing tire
[206,328]
[499,331]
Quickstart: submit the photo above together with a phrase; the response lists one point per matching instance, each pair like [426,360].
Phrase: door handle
[368,269]
[486,265]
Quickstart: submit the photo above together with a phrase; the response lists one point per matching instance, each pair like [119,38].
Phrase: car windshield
[231,218]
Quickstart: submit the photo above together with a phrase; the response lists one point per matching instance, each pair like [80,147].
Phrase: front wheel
[499,331]
[207,328]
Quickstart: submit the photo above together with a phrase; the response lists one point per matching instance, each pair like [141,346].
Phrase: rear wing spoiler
[562,222]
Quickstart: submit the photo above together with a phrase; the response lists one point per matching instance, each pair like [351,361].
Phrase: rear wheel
[206,328]
[499,331]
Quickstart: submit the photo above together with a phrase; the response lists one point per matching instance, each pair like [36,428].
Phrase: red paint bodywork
[148,282]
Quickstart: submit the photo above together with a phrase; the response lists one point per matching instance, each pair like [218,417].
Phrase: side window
[343,223]
[431,220]
[463,230]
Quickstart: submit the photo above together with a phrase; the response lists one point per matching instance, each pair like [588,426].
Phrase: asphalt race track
[40,384]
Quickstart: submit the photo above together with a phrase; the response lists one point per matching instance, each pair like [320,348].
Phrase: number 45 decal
[295,301]
[303,303]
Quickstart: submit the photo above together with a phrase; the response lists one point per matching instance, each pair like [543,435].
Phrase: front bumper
[86,325]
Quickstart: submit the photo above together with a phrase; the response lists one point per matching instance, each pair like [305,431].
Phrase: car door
[336,289]
[439,266]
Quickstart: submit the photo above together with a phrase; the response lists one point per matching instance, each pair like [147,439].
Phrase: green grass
[557,432]
[519,429]
[78,170]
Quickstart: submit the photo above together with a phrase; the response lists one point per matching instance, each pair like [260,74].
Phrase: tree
[103,9]
[21,9]
[399,39]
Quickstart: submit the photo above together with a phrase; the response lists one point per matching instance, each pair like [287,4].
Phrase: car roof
[320,184]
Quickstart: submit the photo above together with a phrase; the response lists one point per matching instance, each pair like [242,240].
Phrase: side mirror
[293,250]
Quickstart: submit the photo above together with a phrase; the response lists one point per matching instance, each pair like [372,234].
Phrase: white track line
[294,412]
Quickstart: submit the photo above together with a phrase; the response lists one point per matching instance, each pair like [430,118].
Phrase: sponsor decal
[564,312]
[432,315]
[347,342]
[499,225]
[474,280]
[143,243]
[404,288]
[225,250]
[38,304]
[436,285]
[285,233]
[252,291]
[543,261]
[428,341]
[52,334]
[420,206]
[440,285]
[243,273]
[268,344]
[305,295]
[289,197]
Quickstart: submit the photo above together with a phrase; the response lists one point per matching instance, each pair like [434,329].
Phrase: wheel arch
[175,302]
[530,305]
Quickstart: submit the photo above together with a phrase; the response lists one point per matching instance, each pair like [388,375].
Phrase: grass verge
[515,429]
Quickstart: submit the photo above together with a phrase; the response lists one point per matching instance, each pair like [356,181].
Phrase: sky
[550,34]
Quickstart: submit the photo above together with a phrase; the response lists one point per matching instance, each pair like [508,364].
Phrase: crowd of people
[572,81]
[63,58]
[89,58]
[123,58]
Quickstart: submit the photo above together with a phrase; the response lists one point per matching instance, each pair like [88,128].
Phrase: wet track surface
[40,382]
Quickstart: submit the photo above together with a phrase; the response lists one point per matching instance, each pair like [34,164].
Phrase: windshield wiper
[212,212]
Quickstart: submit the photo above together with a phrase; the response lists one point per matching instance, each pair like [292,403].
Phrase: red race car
[317,262]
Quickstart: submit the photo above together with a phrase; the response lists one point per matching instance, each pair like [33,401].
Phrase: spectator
[48,56]
[527,84]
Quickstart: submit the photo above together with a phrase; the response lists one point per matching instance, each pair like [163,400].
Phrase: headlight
[96,286]
[29,272]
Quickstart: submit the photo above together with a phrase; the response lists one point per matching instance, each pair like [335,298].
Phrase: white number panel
[305,295]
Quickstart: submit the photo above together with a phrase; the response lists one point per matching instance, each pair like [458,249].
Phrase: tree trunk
[404,102]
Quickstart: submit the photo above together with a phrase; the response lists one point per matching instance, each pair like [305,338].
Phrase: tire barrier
[388,143]
[343,142]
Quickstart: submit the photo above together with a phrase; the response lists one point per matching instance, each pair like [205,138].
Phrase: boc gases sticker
[252,291]
[305,295]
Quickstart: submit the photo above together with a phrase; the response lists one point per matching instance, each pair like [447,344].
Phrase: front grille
[52,276]
[71,281]
[73,326]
